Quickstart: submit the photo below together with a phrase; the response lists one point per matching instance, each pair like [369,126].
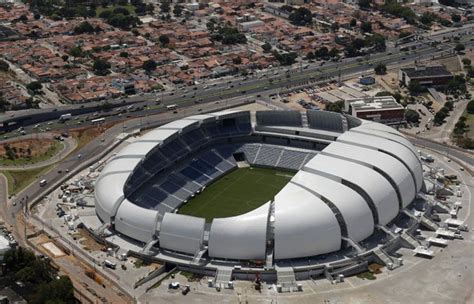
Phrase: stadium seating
[292,159]
[268,155]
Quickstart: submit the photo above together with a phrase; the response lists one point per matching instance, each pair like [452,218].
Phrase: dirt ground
[87,242]
[36,146]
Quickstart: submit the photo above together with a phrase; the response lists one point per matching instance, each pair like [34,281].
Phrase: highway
[263,82]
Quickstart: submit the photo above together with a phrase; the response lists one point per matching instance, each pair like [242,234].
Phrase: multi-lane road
[265,82]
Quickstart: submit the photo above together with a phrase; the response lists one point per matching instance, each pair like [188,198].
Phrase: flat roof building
[384,109]
[427,76]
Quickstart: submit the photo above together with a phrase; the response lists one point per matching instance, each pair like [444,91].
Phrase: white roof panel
[181,233]
[135,222]
[109,194]
[120,165]
[304,225]
[386,163]
[178,124]
[391,147]
[136,149]
[240,237]
[157,135]
[373,183]
[353,207]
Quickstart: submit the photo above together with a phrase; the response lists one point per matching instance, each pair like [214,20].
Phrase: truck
[65,117]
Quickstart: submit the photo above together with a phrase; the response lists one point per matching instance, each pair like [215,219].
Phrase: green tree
[337,106]
[456,18]
[34,86]
[365,4]
[237,60]
[76,52]
[412,116]
[380,69]
[366,27]
[267,47]
[4,67]
[101,67]
[178,10]
[301,16]
[285,58]
[164,39]
[165,6]
[353,22]
[459,47]
[84,27]
[470,107]
[149,65]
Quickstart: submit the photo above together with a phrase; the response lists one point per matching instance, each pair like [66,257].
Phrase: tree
[322,52]
[466,61]
[23,18]
[470,107]
[34,87]
[333,53]
[439,117]
[121,10]
[267,47]
[310,56]
[237,60]
[165,6]
[456,18]
[365,4]
[4,67]
[84,27]
[366,27]
[178,10]
[337,106]
[415,87]
[412,116]
[301,16]
[76,52]
[164,39]
[124,54]
[101,67]
[380,69]
[285,58]
[335,26]
[353,22]
[149,65]
[459,47]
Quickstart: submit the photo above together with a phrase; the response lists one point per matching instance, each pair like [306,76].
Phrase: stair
[101,229]
[149,246]
[198,256]
[410,240]
[345,125]
[304,120]
[354,245]
[383,256]
[286,278]
[223,276]
[428,223]
[387,231]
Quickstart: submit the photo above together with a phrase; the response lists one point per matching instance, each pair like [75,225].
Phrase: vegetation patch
[28,151]
[18,180]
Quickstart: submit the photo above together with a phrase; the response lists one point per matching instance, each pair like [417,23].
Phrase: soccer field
[237,192]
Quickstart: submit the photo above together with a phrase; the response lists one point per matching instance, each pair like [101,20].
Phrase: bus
[98,120]
[171,107]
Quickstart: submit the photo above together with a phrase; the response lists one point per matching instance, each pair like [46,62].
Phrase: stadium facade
[354,178]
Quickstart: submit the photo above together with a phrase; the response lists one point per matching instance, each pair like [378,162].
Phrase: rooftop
[423,71]
[374,103]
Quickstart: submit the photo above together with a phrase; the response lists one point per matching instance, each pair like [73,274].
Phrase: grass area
[237,192]
[191,277]
[18,180]
[54,149]
[470,123]
[129,8]
[85,136]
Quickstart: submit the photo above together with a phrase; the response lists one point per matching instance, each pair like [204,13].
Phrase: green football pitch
[236,193]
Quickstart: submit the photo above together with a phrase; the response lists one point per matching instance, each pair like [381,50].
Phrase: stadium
[284,195]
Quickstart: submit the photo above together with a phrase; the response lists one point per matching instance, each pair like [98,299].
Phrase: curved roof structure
[240,237]
[363,177]
[182,233]
[304,224]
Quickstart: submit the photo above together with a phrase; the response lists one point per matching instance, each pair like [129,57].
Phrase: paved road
[265,82]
